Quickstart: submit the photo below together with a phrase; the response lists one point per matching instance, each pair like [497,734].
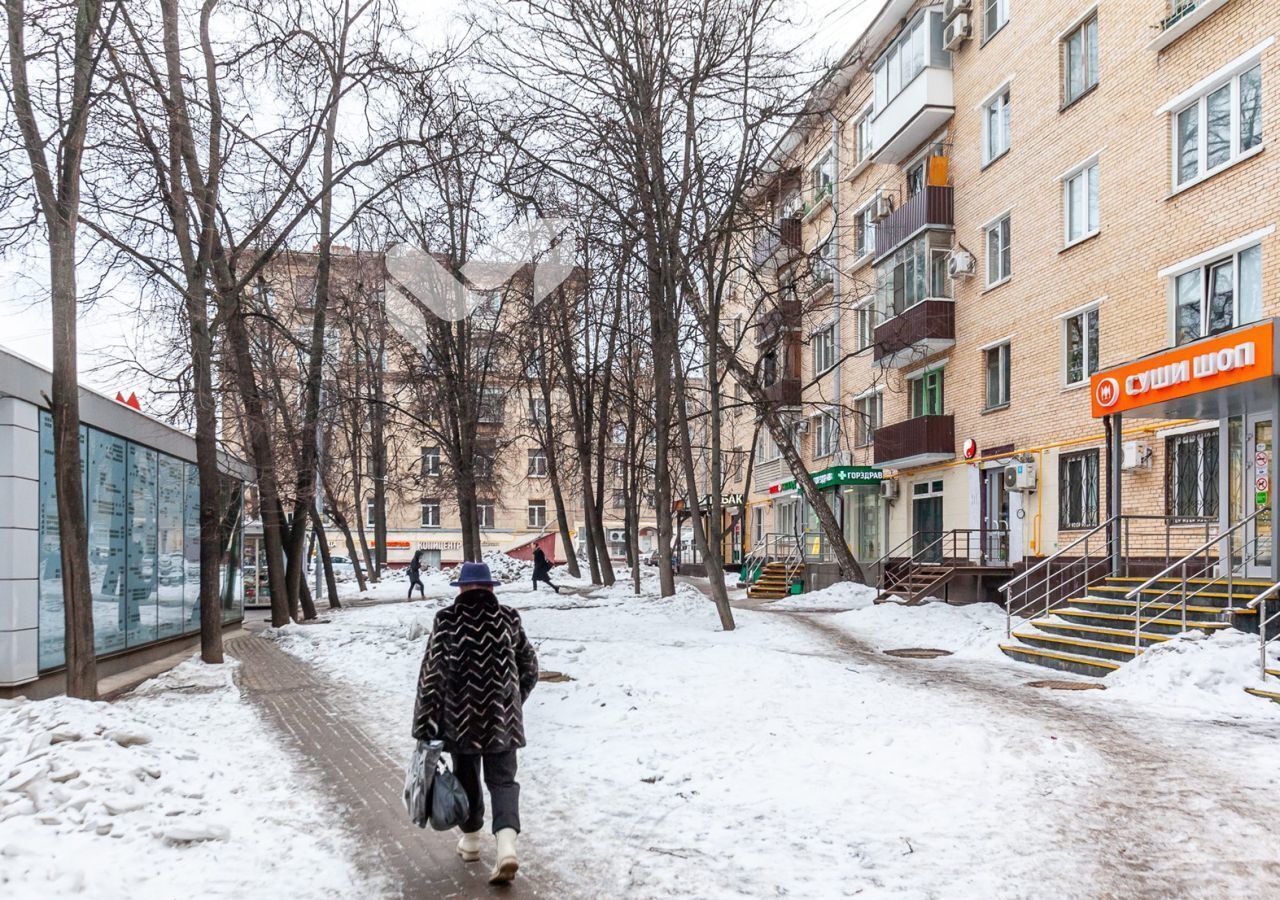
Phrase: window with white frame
[1080,340]
[483,464]
[999,256]
[537,513]
[995,13]
[824,268]
[824,348]
[995,131]
[863,129]
[1080,203]
[537,463]
[430,462]
[919,44]
[485,512]
[370,513]
[826,433]
[430,513]
[866,327]
[869,412]
[1080,60]
[1218,296]
[997,376]
[1192,462]
[822,174]
[864,231]
[1217,128]
[538,410]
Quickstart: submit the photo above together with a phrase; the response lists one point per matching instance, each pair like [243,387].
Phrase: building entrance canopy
[1212,378]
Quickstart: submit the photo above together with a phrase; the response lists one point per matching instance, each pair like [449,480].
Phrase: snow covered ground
[682,761]
[176,791]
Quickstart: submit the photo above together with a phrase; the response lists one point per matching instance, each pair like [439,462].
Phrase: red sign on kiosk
[1233,358]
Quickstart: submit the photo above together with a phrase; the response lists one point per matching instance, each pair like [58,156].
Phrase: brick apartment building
[987,204]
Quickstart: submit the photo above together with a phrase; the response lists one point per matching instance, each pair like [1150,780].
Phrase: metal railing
[1227,562]
[788,549]
[1260,603]
[1110,548]
[941,548]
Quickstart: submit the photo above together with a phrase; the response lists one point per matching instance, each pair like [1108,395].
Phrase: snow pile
[846,595]
[175,786]
[971,630]
[1198,671]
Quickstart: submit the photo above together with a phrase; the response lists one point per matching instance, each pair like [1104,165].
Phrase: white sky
[825,27]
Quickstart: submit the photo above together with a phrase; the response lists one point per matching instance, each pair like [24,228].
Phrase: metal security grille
[1192,464]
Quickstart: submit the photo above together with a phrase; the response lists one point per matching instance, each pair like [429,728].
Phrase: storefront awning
[1211,378]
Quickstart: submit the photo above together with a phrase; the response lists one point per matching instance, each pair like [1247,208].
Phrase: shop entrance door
[995,516]
[926,520]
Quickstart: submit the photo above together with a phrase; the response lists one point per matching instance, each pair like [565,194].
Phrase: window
[824,349]
[864,232]
[865,323]
[430,461]
[919,44]
[430,513]
[483,464]
[914,272]
[1218,128]
[870,413]
[370,513]
[537,463]
[863,128]
[1078,490]
[995,13]
[537,514]
[537,410]
[1219,296]
[995,133]
[1081,338]
[491,405]
[822,174]
[484,512]
[926,394]
[824,266]
[1080,204]
[998,252]
[826,434]
[997,376]
[1080,61]
[1192,464]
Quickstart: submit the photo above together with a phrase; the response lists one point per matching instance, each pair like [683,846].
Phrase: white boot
[469,846]
[504,869]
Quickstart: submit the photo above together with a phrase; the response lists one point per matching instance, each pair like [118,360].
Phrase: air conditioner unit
[889,489]
[958,31]
[955,7]
[617,535]
[884,207]
[1020,476]
[962,264]
[1134,455]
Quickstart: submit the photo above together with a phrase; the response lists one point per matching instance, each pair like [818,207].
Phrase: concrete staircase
[1271,690]
[1094,634]
[775,580]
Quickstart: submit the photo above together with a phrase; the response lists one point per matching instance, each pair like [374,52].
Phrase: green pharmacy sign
[839,476]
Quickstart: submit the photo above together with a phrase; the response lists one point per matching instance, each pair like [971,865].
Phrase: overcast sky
[108,331]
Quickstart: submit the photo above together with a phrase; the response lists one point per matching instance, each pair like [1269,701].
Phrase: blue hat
[474,573]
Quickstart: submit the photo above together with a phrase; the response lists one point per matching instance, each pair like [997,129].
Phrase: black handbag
[449,804]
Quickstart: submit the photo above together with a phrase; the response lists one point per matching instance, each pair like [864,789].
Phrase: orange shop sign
[1227,359]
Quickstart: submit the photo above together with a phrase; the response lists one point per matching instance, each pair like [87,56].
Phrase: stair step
[1239,582]
[1274,673]
[1273,696]
[1174,627]
[1131,607]
[1081,646]
[1175,594]
[1121,634]
[1064,662]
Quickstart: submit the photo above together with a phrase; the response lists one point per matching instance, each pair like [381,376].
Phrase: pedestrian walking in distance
[415,575]
[542,570]
[477,673]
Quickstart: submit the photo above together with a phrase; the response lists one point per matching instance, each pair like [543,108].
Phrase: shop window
[1191,462]
[1078,490]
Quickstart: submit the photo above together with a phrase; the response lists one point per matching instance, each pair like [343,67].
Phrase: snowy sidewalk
[320,721]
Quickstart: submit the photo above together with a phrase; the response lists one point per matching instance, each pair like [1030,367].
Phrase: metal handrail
[1005,588]
[1216,539]
[1257,603]
[914,561]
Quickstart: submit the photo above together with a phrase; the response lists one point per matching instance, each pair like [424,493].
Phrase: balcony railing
[922,330]
[784,235]
[933,207]
[784,392]
[917,441]
[785,316]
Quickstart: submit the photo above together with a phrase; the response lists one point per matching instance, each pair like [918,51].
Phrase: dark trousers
[545,579]
[415,580]
[499,778]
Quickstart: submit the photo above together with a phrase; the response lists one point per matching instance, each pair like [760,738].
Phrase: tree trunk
[211,498]
[323,540]
[341,521]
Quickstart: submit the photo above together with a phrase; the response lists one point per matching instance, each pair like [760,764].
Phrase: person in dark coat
[415,575]
[478,671]
[542,570]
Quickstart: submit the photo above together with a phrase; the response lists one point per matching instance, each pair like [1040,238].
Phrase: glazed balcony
[927,328]
[782,236]
[913,115]
[916,442]
[933,207]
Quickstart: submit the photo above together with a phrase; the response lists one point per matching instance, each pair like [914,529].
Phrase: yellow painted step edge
[1259,692]
[1066,657]
[1076,642]
[1066,611]
[1246,582]
[1098,629]
[1274,673]
[1168,593]
[1202,609]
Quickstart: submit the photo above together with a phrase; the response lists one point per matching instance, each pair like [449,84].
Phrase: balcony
[785,316]
[911,117]
[1184,15]
[784,393]
[916,442]
[785,235]
[934,207]
[927,328]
